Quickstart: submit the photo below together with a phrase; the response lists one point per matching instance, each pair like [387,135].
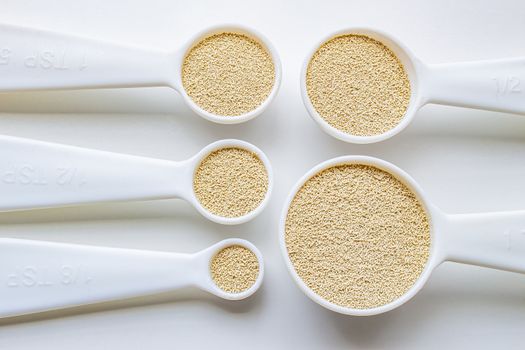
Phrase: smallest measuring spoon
[39,276]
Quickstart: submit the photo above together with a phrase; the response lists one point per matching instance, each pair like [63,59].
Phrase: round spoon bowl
[232,143]
[433,260]
[180,55]
[210,285]
[411,66]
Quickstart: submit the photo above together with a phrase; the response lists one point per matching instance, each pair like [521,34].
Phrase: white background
[465,161]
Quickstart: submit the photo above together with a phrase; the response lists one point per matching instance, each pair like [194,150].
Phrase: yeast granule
[234,269]
[231,182]
[228,74]
[358,85]
[357,236]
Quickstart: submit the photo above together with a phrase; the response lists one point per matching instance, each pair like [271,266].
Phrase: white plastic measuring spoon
[32,59]
[495,240]
[39,276]
[36,174]
[497,85]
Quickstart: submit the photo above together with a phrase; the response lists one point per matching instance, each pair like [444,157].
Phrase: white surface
[464,160]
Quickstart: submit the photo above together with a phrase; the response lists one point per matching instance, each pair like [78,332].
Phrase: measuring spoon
[495,240]
[497,85]
[32,59]
[39,276]
[37,174]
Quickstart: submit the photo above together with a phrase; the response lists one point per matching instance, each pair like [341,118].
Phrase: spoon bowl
[180,55]
[223,144]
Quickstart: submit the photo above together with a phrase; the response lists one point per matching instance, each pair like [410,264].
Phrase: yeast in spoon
[234,269]
[358,85]
[357,236]
[228,74]
[231,182]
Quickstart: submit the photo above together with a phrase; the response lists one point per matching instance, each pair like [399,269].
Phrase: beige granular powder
[358,85]
[228,74]
[231,182]
[357,236]
[234,269]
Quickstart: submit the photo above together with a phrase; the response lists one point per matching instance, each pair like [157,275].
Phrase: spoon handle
[37,276]
[494,240]
[497,85]
[36,174]
[32,59]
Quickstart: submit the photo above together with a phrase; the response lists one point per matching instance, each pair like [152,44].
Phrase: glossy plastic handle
[497,85]
[36,174]
[495,240]
[32,59]
[39,276]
